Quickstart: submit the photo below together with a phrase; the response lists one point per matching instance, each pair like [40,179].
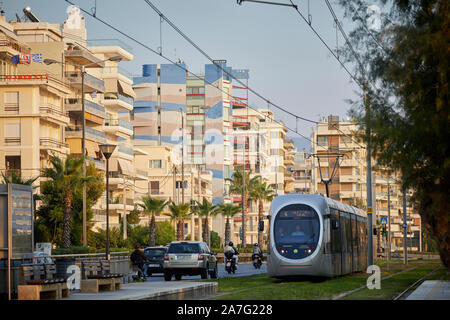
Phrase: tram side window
[348,232]
[354,232]
[343,231]
[335,233]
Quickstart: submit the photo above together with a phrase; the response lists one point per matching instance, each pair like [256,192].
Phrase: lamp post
[107,150]
[83,127]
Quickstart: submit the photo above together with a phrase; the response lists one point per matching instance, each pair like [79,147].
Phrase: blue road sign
[383,220]
[404,225]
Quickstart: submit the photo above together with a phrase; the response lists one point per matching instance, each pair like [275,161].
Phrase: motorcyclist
[257,251]
[138,258]
[230,247]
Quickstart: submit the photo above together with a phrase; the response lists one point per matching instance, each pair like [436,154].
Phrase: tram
[312,235]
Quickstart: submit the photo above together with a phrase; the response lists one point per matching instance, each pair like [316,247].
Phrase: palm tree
[240,182]
[154,207]
[16,178]
[66,174]
[178,212]
[205,209]
[261,192]
[228,210]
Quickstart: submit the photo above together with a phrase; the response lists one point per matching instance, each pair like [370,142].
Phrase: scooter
[137,273]
[257,261]
[230,264]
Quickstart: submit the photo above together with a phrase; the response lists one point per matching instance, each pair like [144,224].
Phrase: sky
[288,64]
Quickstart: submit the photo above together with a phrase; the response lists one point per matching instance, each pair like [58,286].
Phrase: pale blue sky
[288,63]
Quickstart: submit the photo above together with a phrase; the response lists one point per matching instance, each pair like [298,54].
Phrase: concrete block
[89,286]
[29,292]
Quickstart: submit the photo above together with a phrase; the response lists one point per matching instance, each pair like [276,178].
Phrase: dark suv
[189,258]
[155,256]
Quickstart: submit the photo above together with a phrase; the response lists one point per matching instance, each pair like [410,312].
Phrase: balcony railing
[126,150]
[12,141]
[53,109]
[118,96]
[119,123]
[141,172]
[11,108]
[75,76]
[75,131]
[50,142]
[14,45]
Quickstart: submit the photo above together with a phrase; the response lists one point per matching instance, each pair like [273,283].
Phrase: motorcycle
[230,264]
[137,273]
[257,261]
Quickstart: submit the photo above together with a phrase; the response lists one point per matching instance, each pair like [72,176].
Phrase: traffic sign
[383,220]
[405,226]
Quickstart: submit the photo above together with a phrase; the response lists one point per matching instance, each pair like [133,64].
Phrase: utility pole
[388,257]
[182,156]
[405,225]
[243,195]
[174,178]
[369,183]
[83,154]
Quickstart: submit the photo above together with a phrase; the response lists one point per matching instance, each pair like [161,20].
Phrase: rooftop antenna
[18,18]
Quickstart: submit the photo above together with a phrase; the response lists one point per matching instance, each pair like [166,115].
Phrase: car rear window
[184,248]
[155,253]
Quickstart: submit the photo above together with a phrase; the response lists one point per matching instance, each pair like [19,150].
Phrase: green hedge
[85,250]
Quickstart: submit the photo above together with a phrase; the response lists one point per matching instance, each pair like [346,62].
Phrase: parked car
[155,255]
[189,258]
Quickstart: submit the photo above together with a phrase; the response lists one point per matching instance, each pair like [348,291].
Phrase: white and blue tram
[311,235]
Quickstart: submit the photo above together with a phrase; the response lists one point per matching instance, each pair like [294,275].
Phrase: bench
[38,281]
[97,276]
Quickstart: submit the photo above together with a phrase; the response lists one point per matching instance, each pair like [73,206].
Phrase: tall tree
[179,212]
[205,209]
[240,184]
[261,192]
[406,78]
[64,177]
[154,207]
[228,210]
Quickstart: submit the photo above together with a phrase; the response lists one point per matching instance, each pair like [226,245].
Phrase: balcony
[74,105]
[113,71]
[126,152]
[91,83]
[348,179]
[118,102]
[10,47]
[111,48]
[81,57]
[51,144]
[118,127]
[54,113]
[12,141]
[91,134]
[42,80]
[98,163]
[141,174]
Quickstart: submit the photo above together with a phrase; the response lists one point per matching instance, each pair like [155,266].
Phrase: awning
[110,85]
[126,167]
[126,89]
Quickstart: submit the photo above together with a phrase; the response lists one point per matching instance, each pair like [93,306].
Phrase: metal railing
[75,76]
[118,96]
[11,108]
[126,150]
[87,103]
[119,123]
[141,172]
[50,142]
[12,140]
[117,69]
[53,109]
[14,45]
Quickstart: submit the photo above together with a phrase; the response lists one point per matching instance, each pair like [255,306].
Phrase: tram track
[347,293]
[418,282]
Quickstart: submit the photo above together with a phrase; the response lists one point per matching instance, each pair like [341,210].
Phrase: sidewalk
[173,290]
[431,290]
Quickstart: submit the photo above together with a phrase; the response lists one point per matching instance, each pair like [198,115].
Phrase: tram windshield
[296,230]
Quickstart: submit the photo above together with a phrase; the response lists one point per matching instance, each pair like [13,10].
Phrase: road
[243,270]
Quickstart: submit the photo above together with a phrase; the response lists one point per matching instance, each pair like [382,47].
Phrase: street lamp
[107,150]
[83,126]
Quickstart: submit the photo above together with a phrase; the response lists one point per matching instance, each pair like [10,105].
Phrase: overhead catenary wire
[187,70]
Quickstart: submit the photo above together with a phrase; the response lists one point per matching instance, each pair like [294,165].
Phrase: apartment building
[301,171]
[165,182]
[50,95]
[336,148]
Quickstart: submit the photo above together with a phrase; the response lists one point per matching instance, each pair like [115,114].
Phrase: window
[322,141]
[296,231]
[154,187]
[11,102]
[12,132]
[12,162]
[155,164]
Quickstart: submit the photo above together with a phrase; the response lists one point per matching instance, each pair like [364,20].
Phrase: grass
[261,287]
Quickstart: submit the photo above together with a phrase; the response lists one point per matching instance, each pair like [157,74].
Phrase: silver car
[189,258]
